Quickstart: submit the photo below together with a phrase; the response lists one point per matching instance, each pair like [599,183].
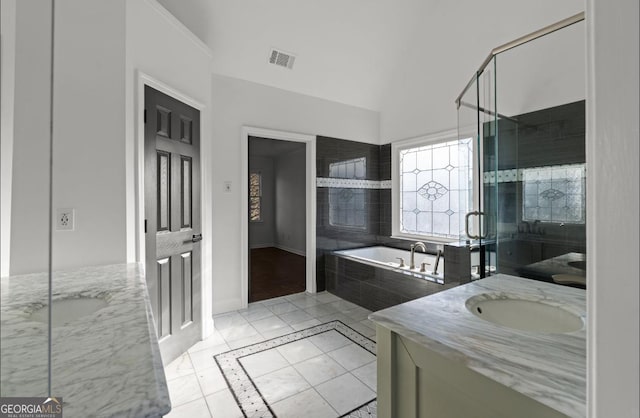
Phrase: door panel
[172,212]
[164,297]
[164,190]
[185,192]
[187,295]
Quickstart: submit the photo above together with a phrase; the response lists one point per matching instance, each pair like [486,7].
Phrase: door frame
[310,203]
[137,240]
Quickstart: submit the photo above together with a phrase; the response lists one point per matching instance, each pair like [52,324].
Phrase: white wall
[237,103]
[263,233]
[613,137]
[102,52]
[89,131]
[290,201]
[30,177]
[162,50]
[7,88]
[547,72]
[442,57]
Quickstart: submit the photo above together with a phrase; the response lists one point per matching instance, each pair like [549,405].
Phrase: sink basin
[68,310]
[582,265]
[527,315]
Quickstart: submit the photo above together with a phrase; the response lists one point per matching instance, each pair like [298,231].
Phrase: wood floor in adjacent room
[275,272]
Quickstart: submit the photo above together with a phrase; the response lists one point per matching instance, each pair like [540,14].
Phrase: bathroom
[98,175]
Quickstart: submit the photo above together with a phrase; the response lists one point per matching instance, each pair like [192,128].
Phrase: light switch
[227,187]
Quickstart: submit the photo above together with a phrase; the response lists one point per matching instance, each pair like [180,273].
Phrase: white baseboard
[291,250]
[268,245]
[225,306]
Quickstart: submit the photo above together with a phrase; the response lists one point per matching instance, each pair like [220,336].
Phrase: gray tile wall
[377,230]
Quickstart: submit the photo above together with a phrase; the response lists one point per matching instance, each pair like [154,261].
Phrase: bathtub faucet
[438,257]
[418,244]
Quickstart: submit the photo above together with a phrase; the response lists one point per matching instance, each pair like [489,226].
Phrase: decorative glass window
[554,194]
[347,206]
[255,197]
[435,184]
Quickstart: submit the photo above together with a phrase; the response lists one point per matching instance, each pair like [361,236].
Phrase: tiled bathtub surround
[353,204]
[347,216]
[103,364]
[375,288]
[319,372]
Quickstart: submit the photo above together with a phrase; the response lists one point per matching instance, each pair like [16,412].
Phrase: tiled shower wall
[546,139]
[352,177]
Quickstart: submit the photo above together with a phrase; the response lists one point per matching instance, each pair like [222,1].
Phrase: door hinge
[145,116]
[145,226]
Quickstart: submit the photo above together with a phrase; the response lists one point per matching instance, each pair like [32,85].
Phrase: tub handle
[401,261]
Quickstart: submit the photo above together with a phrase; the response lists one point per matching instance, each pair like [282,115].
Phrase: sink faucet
[418,244]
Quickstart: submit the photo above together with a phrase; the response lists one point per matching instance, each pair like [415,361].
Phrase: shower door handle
[466,225]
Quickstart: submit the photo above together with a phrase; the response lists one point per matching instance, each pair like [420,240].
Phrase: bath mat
[248,397]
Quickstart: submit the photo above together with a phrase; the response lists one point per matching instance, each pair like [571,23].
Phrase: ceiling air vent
[283,59]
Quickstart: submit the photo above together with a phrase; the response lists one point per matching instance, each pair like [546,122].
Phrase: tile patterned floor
[293,356]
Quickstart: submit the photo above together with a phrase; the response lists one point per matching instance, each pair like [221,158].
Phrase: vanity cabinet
[436,359]
[414,381]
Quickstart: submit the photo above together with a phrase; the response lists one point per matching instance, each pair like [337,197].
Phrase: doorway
[277,218]
[172,221]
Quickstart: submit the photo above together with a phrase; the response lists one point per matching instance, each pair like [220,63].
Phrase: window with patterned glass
[255,197]
[554,194]
[435,182]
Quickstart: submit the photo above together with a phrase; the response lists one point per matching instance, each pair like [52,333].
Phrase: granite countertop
[550,368]
[104,364]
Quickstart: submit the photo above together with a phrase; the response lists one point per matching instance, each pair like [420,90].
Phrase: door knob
[196,238]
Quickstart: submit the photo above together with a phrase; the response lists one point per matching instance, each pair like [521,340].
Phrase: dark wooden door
[172,221]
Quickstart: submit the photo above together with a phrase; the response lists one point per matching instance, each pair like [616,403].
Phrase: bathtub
[372,277]
[387,258]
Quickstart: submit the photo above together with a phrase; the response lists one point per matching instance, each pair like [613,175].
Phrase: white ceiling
[352,51]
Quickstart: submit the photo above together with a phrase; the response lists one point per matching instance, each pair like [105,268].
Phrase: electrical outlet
[65,219]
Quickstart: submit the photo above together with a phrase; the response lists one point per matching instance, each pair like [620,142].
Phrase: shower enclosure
[524,109]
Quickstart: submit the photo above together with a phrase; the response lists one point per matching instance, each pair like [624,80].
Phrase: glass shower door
[540,170]
[528,123]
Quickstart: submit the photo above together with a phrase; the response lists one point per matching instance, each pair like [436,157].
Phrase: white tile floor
[325,375]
